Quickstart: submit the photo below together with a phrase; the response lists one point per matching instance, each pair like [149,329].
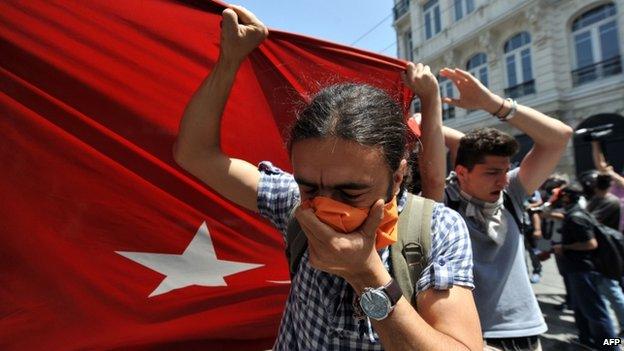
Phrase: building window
[407,45]
[477,66]
[462,8]
[518,66]
[446,90]
[433,21]
[595,42]
[401,7]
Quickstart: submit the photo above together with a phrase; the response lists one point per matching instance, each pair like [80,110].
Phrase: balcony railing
[521,89]
[598,70]
[400,8]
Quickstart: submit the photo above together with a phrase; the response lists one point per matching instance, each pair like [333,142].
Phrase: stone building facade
[561,57]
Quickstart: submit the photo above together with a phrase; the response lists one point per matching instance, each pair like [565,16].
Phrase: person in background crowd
[578,241]
[551,222]
[602,204]
[617,188]
[605,208]
[532,224]
[488,195]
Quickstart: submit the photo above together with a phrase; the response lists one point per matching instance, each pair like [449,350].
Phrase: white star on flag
[197,265]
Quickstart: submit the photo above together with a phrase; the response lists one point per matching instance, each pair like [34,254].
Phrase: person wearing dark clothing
[532,224]
[604,205]
[602,165]
[550,224]
[578,242]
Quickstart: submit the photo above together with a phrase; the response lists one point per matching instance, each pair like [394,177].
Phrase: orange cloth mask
[345,219]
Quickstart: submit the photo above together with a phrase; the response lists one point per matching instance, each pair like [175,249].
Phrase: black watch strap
[393,290]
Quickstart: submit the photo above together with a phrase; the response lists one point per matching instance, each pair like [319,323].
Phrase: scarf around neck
[488,216]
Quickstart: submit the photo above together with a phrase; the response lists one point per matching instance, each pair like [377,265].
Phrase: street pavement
[550,292]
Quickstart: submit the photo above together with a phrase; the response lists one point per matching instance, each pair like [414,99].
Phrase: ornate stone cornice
[538,18]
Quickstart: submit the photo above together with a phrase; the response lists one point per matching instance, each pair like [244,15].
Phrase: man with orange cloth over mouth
[348,151]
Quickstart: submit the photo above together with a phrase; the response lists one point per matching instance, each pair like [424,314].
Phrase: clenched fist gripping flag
[105,242]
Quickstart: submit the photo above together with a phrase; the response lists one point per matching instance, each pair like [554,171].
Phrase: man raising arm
[549,135]
[489,196]
[332,166]
[198,148]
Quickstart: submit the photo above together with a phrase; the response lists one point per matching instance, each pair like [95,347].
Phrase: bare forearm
[537,222]
[550,138]
[581,246]
[452,137]
[542,129]
[200,126]
[432,164]
[618,179]
[599,160]
[555,215]
[405,329]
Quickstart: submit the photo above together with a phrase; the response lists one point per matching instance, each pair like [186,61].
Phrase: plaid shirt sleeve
[451,252]
[278,195]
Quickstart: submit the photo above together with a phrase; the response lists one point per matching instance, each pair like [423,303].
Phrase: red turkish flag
[106,243]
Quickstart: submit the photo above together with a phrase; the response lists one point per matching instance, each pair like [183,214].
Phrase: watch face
[375,304]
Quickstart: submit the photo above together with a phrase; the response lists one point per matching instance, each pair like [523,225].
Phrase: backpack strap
[296,244]
[410,254]
[509,206]
[584,215]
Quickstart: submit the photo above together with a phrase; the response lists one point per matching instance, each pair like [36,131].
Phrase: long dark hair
[356,112]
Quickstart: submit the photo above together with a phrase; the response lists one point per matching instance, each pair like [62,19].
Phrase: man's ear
[461,172]
[399,176]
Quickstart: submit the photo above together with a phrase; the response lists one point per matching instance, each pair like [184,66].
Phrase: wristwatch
[377,303]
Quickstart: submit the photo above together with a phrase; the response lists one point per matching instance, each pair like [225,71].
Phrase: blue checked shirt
[319,313]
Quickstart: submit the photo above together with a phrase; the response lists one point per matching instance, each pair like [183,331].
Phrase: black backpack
[609,256]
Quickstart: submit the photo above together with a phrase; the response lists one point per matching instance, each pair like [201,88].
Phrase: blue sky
[341,21]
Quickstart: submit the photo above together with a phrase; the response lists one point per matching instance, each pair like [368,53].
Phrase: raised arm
[432,165]
[600,161]
[452,137]
[549,135]
[617,178]
[197,148]
[601,164]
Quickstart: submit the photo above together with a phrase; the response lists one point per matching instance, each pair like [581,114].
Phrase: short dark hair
[603,181]
[475,145]
[355,112]
[554,181]
[573,190]
[587,180]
